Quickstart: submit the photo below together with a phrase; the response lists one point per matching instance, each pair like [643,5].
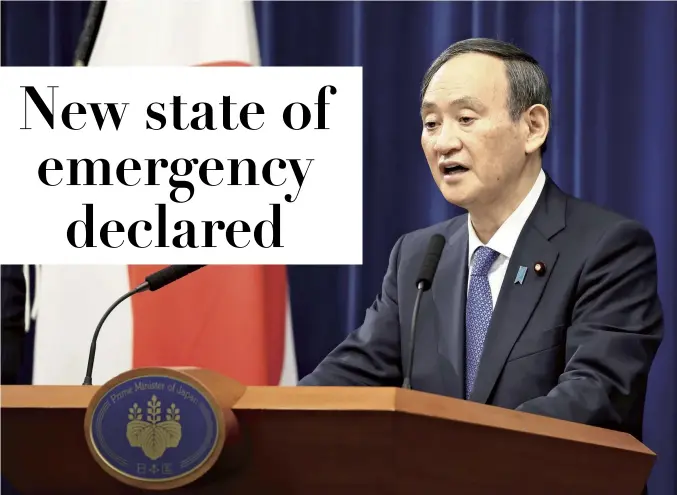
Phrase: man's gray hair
[528,82]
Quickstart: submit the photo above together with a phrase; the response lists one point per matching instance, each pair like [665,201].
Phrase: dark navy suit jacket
[575,343]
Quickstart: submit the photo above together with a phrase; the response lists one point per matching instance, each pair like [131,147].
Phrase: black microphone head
[169,274]
[430,262]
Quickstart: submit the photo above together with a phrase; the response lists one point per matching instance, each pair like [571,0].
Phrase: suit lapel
[449,294]
[516,302]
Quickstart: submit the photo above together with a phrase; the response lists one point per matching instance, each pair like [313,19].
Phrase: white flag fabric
[176,32]
[232,319]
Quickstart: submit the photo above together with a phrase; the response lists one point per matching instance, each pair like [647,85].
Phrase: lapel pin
[539,268]
[519,279]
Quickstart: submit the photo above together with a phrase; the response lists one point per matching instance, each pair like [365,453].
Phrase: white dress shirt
[505,238]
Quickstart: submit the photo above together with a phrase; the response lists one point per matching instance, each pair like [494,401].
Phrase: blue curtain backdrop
[613,68]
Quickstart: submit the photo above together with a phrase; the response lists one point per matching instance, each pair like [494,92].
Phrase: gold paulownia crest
[153,435]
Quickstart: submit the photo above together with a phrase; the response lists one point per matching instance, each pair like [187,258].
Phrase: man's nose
[447,139]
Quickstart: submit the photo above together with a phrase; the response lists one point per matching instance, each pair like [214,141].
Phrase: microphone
[423,284]
[168,275]
[153,282]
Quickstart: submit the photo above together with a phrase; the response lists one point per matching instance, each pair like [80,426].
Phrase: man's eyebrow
[427,105]
[467,101]
[464,101]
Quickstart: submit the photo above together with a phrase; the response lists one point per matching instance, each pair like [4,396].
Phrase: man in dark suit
[541,302]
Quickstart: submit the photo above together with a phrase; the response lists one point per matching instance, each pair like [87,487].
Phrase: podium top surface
[346,399]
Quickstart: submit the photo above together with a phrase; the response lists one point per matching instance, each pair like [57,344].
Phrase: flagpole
[83,51]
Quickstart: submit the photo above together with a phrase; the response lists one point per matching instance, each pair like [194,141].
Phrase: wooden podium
[328,440]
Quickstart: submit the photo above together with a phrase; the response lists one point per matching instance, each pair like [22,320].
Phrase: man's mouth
[454,170]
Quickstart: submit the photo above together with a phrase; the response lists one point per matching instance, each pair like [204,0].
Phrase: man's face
[466,123]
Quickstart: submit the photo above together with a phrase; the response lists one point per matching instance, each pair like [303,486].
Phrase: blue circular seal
[154,428]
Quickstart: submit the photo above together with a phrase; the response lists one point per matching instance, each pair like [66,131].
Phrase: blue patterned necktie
[478,312]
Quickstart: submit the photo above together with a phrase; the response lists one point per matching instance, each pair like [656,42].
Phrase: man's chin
[455,195]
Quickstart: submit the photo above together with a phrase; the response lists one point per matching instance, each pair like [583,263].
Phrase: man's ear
[537,119]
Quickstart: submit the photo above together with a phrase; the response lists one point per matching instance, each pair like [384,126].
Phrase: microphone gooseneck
[423,284]
[92,348]
[153,282]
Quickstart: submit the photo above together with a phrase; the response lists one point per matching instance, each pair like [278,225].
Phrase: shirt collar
[505,238]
